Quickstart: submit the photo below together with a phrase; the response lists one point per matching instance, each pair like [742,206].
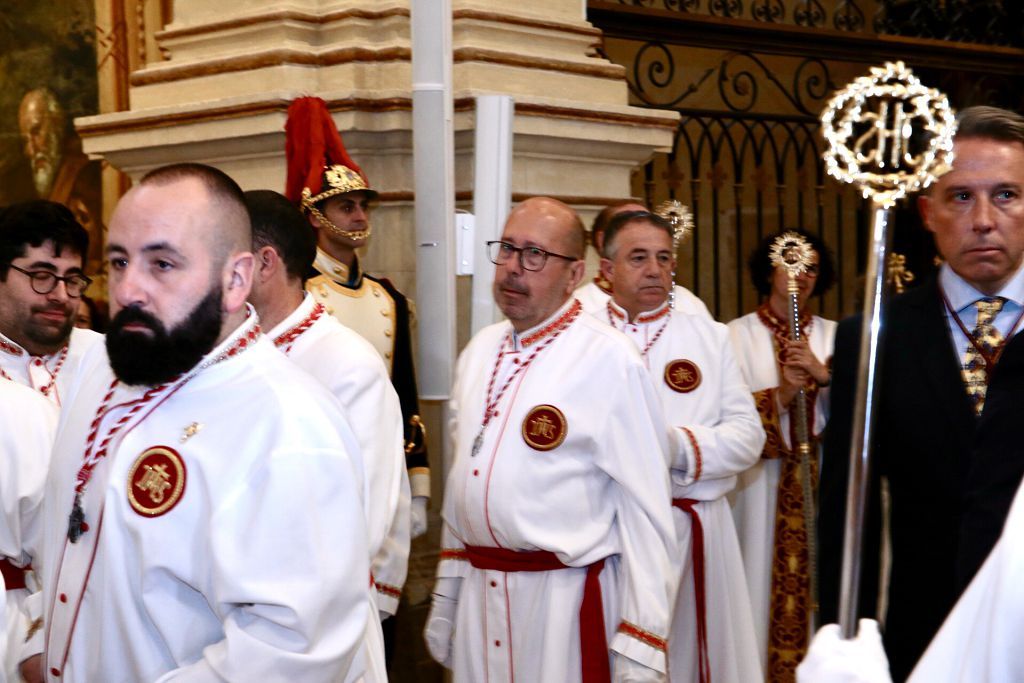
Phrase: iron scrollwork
[732,9]
[769,11]
[654,72]
[810,14]
[811,79]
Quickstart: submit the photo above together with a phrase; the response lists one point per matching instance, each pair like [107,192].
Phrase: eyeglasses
[45,281]
[530,258]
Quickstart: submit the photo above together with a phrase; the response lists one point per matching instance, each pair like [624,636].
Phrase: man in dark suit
[943,355]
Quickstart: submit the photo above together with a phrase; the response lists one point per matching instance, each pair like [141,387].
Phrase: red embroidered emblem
[544,428]
[156,481]
[682,375]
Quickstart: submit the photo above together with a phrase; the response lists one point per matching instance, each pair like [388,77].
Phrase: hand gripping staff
[792,252]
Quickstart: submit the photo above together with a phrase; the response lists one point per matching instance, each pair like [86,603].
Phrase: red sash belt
[14,577]
[687,505]
[593,642]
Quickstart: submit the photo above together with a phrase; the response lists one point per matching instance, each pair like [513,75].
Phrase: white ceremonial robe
[27,424]
[259,571]
[57,369]
[354,373]
[720,416]
[600,494]
[755,497]
[980,639]
[594,298]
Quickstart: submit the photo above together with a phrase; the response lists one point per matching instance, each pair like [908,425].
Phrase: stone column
[231,67]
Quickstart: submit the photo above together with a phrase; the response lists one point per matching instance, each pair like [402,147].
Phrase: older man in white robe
[558,525]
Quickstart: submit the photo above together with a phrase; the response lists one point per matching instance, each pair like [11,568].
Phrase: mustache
[508,284]
[130,315]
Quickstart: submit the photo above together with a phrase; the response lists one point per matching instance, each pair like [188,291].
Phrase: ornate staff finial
[792,251]
[869,126]
[679,217]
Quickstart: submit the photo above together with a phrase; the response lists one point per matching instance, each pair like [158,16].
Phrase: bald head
[561,222]
[529,295]
[601,221]
[179,240]
[230,230]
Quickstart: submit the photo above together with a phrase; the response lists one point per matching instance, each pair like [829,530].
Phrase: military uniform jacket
[382,315]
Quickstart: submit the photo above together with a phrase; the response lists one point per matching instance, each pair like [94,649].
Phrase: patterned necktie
[988,338]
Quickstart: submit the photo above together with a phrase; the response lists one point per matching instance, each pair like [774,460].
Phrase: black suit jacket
[997,464]
[924,434]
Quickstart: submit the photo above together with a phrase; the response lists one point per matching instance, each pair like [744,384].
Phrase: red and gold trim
[544,428]
[643,318]
[790,600]
[243,342]
[286,338]
[645,637]
[682,375]
[156,481]
[697,455]
[780,328]
[388,590]
[767,408]
[563,321]
[603,284]
[454,554]
[10,348]
[47,388]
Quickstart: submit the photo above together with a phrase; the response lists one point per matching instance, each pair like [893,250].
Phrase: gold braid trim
[767,408]
[791,606]
[453,554]
[392,591]
[646,637]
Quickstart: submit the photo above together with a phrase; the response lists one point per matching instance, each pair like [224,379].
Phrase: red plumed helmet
[318,165]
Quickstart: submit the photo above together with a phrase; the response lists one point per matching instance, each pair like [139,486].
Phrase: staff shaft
[803,438]
[865,406]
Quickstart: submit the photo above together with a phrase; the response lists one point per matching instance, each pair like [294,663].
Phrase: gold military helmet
[336,179]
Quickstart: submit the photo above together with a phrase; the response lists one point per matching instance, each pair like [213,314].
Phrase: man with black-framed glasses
[42,250]
[558,526]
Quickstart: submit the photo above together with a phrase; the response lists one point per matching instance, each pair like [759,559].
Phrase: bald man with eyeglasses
[558,525]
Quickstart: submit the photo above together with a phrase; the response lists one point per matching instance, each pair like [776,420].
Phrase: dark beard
[158,358]
[46,337]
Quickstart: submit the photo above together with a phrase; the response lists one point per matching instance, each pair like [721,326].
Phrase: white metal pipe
[434,185]
[492,195]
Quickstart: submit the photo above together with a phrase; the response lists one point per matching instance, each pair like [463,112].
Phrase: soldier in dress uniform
[336,197]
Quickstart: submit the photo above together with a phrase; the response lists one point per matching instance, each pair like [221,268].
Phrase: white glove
[831,659]
[440,627]
[627,670]
[418,517]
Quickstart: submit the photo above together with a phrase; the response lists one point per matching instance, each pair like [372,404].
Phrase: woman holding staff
[768,502]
